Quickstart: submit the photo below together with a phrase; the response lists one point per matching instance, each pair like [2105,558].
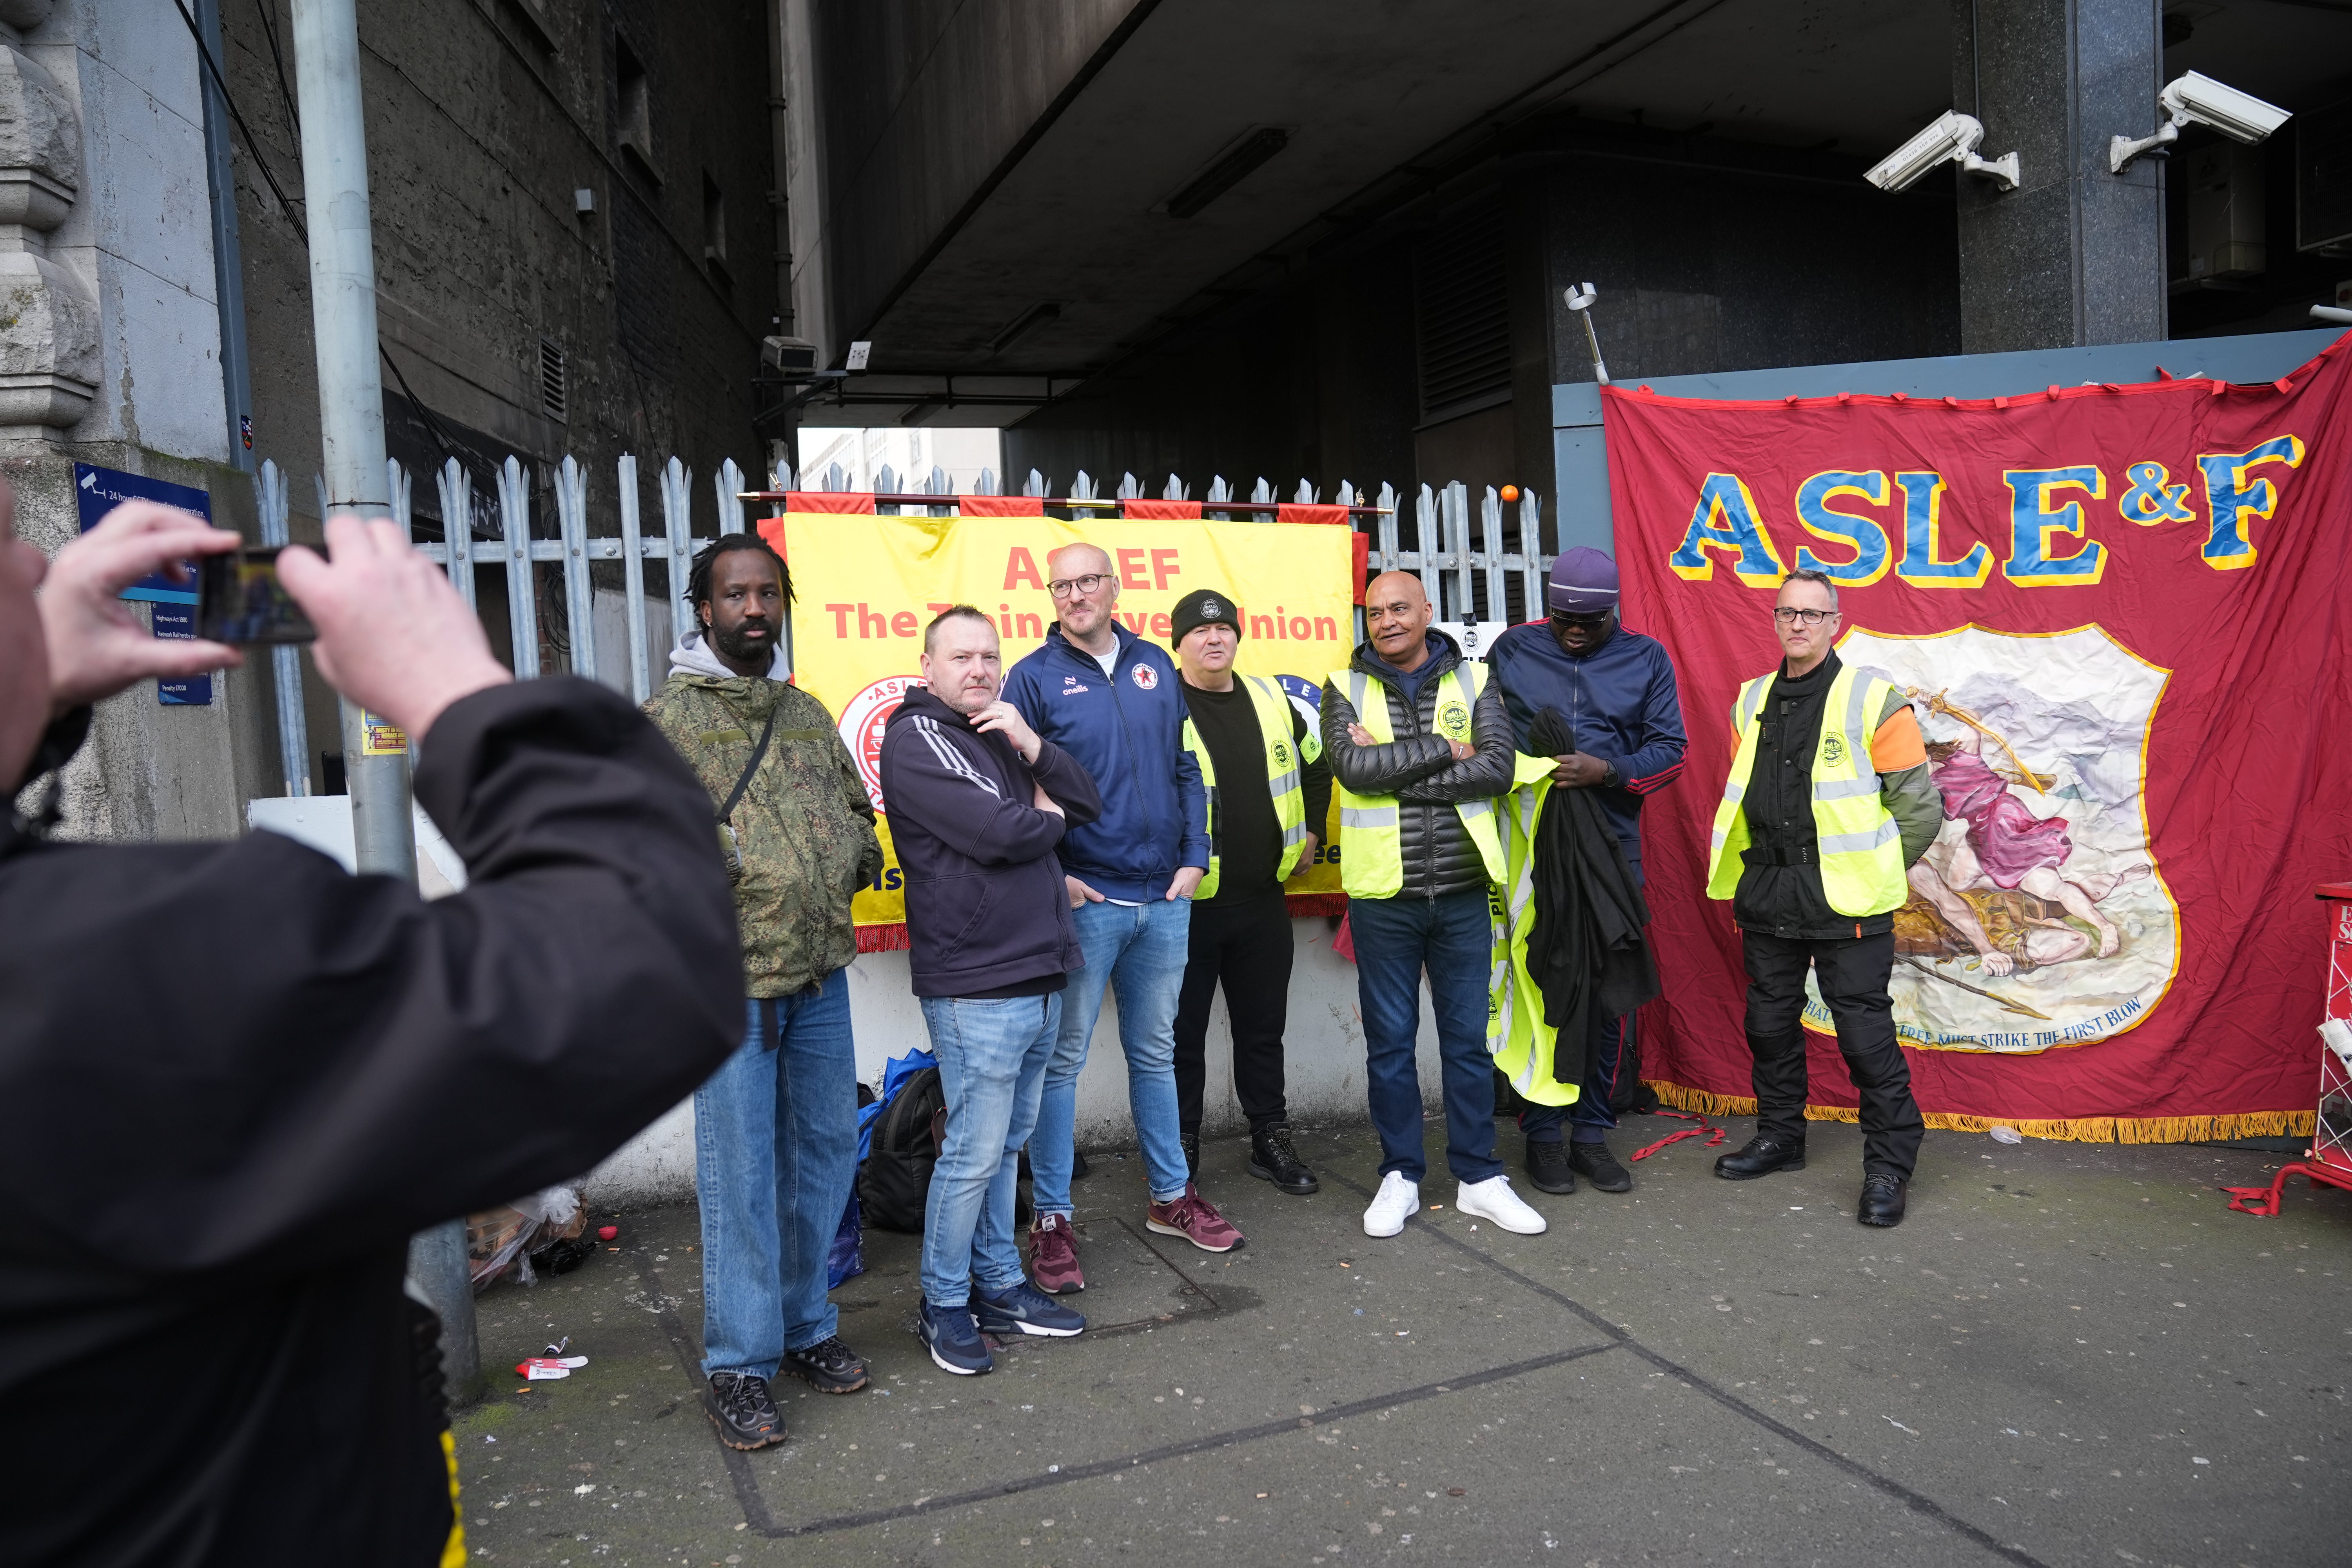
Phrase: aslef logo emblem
[1282,753]
[1147,677]
[1211,610]
[1454,720]
[1834,749]
[861,728]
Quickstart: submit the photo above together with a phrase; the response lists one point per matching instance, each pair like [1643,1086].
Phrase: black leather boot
[1882,1199]
[1271,1159]
[1760,1156]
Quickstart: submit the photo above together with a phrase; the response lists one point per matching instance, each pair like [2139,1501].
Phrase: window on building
[714,221]
[1462,320]
[634,95]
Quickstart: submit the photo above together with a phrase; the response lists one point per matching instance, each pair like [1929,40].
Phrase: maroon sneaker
[1195,1219]
[1053,1255]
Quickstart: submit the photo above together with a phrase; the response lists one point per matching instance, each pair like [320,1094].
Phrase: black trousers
[1244,946]
[1853,973]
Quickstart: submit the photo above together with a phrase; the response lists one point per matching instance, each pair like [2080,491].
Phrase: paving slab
[2069,1354]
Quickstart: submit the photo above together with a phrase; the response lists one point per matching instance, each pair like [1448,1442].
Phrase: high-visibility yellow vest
[1371,865]
[1859,846]
[1517,1038]
[1282,761]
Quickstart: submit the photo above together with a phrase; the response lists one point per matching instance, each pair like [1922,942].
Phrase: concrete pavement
[2069,1354]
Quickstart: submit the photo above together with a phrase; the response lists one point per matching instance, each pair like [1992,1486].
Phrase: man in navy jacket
[1616,690]
[1112,702]
[978,805]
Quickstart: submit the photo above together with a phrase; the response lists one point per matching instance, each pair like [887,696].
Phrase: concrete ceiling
[1371,91]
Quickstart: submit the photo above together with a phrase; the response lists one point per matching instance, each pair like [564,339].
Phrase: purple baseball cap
[1583,582]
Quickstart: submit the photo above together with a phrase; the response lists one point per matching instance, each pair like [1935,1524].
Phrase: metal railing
[1469,574]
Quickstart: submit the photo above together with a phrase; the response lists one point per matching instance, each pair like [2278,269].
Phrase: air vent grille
[554,382]
[1462,314]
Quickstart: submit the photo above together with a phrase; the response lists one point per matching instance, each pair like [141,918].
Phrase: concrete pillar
[2075,255]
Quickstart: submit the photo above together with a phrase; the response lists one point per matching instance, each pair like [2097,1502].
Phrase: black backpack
[896,1178]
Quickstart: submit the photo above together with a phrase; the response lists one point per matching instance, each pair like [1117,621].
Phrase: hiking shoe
[829,1366]
[1191,1141]
[1882,1199]
[1548,1166]
[1273,1159]
[1396,1202]
[1596,1165]
[1492,1200]
[1196,1219]
[953,1339]
[738,1406]
[1024,1310]
[1053,1255]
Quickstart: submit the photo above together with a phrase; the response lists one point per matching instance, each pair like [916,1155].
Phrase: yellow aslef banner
[868,585]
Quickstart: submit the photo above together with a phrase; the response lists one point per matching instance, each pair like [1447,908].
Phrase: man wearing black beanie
[1269,791]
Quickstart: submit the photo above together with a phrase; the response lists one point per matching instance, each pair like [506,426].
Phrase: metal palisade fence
[1481,570]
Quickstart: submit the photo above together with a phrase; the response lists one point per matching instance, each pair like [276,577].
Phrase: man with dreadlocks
[775,1128]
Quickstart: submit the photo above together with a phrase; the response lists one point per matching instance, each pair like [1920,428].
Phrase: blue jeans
[1142,949]
[993,1057]
[776,1152]
[1589,1118]
[1396,939]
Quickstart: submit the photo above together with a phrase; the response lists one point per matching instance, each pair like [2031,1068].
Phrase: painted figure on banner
[2038,918]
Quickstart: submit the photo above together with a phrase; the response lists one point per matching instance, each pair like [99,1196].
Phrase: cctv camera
[2195,96]
[1952,139]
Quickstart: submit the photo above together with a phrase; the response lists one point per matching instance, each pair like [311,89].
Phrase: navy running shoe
[954,1340]
[1026,1310]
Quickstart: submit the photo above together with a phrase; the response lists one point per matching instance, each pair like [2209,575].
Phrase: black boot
[1760,1156]
[1596,1165]
[1191,1141]
[1271,1159]
[1548,1166]
[1882,1199]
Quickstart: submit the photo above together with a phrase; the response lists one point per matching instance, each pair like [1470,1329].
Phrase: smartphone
[239,600]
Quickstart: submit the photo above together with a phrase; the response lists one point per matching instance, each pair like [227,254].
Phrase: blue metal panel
[1583,471]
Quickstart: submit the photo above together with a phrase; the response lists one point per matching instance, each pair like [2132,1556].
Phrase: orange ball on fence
[1511,492]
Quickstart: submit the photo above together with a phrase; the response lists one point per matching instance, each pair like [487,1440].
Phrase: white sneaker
[1493,1199]
[1398,1198]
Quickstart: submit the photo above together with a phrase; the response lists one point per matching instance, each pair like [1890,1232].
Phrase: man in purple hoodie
[978,805]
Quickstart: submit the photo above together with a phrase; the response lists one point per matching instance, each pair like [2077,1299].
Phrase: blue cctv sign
[98,491]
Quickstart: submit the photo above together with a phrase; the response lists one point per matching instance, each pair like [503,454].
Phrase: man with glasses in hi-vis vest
[1421,746]
[1269,791]
[1828,805]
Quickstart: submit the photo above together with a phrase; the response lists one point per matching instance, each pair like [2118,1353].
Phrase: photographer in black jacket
[234,1079]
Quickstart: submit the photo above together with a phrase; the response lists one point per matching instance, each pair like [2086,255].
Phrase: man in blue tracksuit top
[1616,690]
[1113,702]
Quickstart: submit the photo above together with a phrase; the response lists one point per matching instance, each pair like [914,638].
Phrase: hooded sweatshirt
[1126,731]
[986,909]
[801,840]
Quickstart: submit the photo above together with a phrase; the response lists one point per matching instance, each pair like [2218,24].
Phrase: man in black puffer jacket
[1420,746]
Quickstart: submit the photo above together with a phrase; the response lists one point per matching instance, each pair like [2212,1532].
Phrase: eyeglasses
[1062,588]
[1788,616]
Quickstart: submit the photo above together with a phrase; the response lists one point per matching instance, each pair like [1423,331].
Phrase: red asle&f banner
[2120,613]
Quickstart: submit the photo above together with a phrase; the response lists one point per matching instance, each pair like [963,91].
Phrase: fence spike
[1262,492]
[1082,487]
[887,481]
[1306,496]
[403,494]
[1034,485]
[986,484]
[522,594]
[633,579]
[728,482]
[1127,488]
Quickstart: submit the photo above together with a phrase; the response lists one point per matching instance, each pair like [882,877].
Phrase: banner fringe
[882,939]
[2081,1129]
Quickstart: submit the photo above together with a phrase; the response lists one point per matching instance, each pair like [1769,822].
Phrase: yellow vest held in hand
[1282,762]
[1372,863]
[1516,1035]
[1856,837]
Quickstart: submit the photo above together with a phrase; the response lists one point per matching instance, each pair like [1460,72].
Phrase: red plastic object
[2328,1160]
[606,1233]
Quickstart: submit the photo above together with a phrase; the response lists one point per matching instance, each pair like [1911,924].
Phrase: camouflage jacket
[803,834]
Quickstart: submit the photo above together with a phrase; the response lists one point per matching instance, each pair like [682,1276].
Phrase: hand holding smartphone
[240,600]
